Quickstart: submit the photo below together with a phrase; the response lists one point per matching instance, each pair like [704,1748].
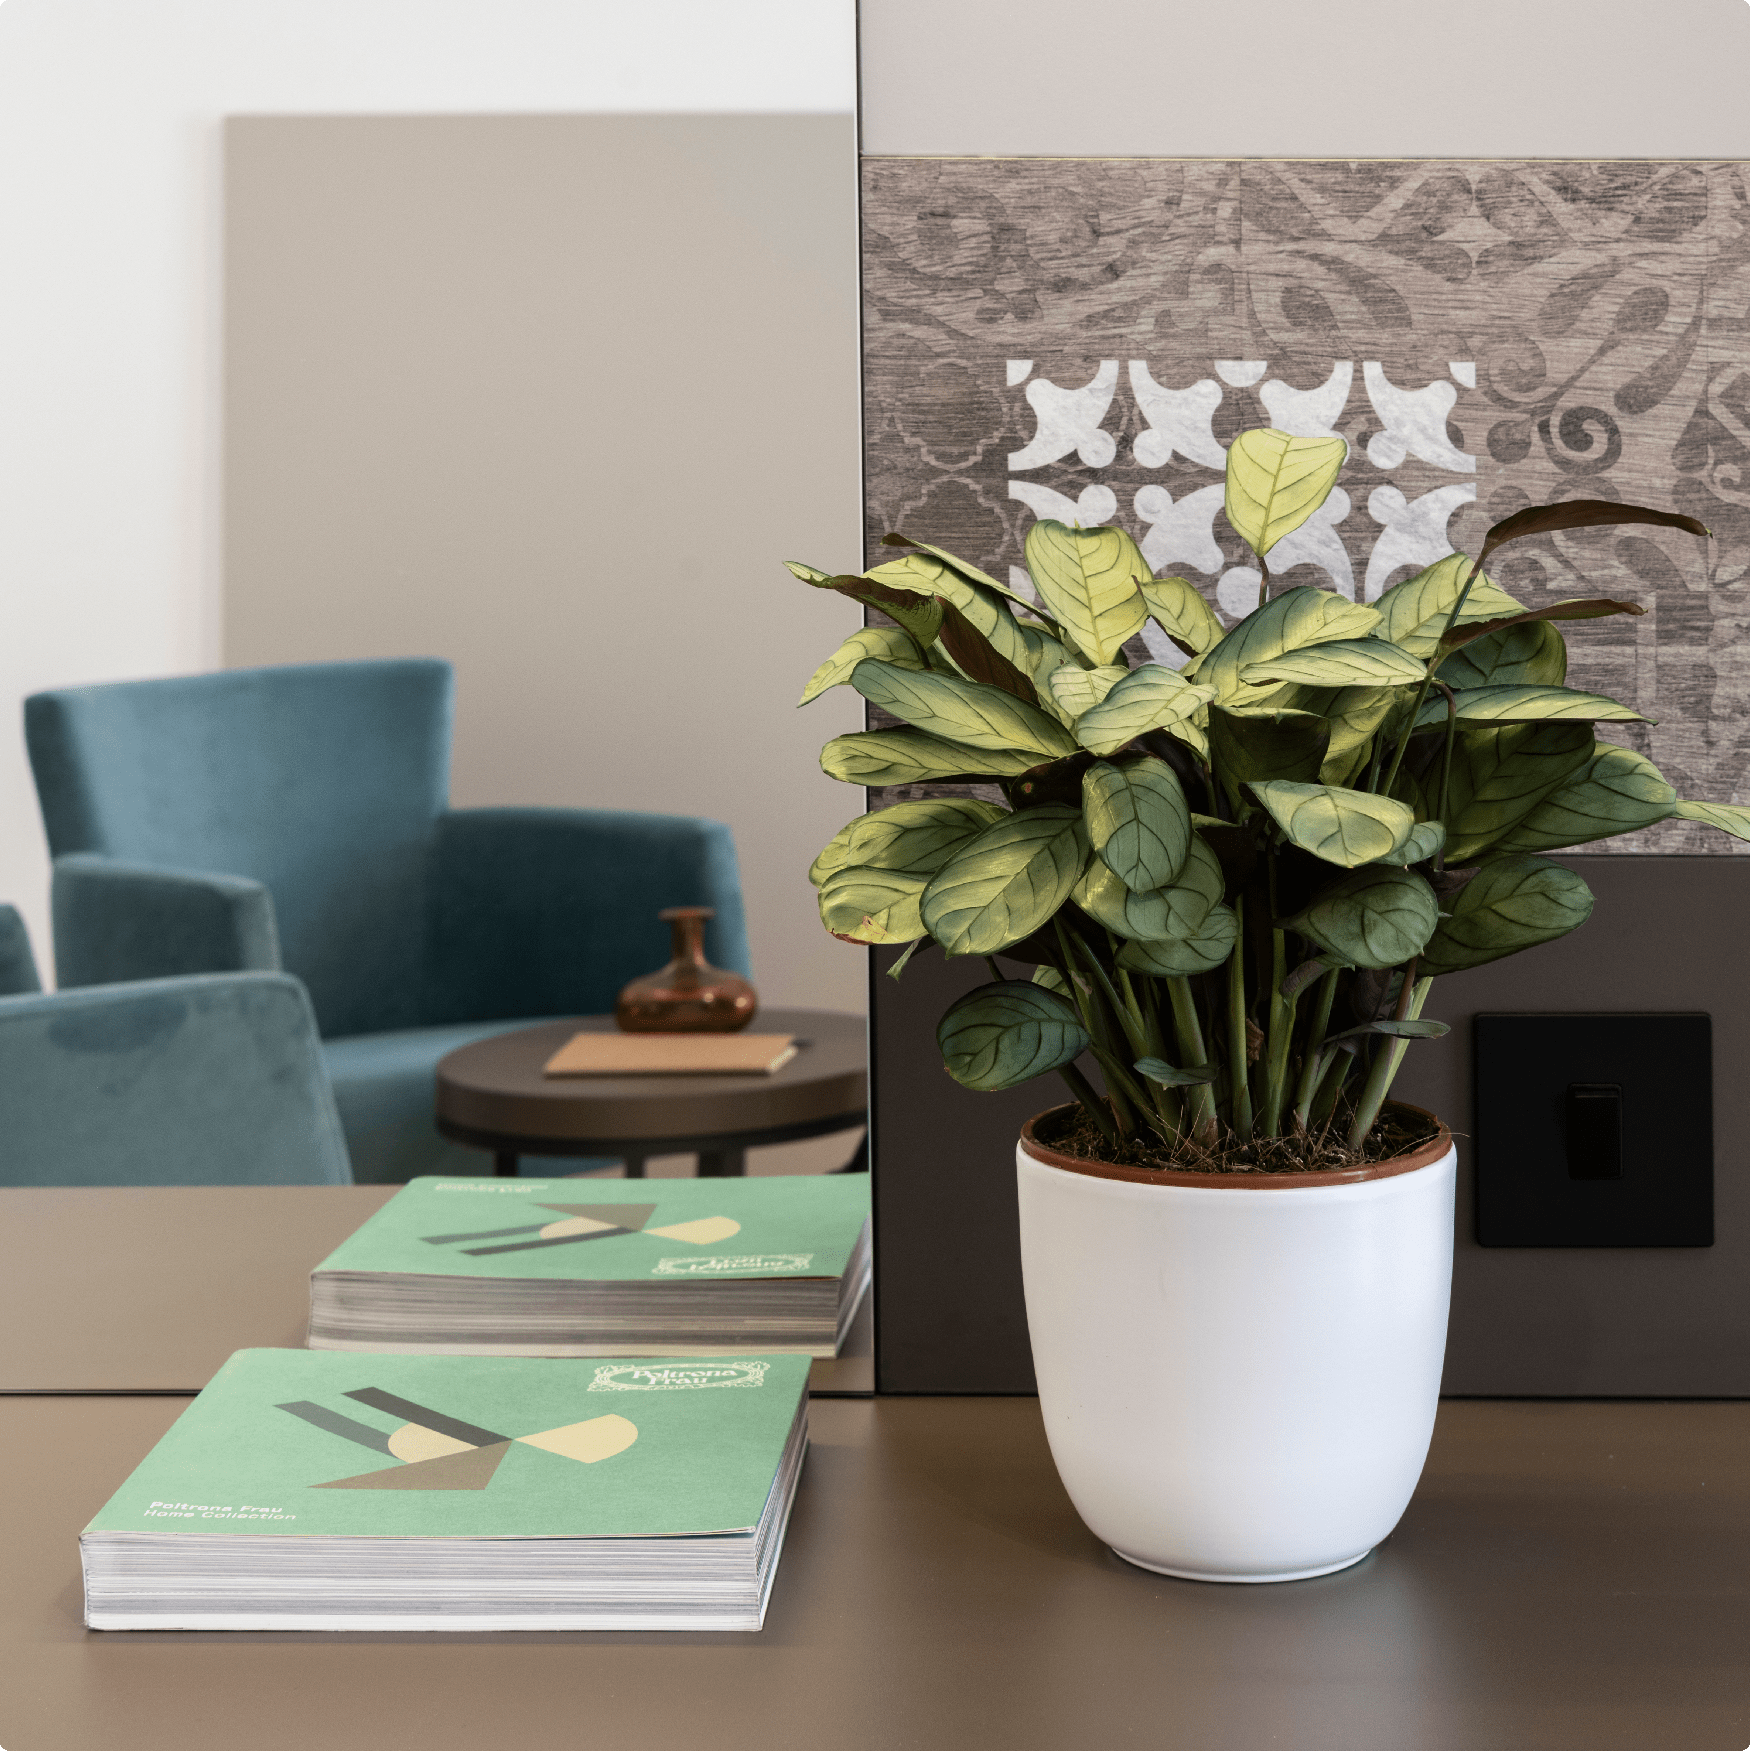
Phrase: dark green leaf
[1499,776]
[1003,1034]
[1007,882]
[1159,1070]
[1402,1030]
[1151,697]
[1617,791]
[1513,903]
[1528,655]
[1184,957]
[872,905]
[1344,827]
[964,712]
[916,837]
[1138,821]
[1249,747]
[1477,705]
[1377,917]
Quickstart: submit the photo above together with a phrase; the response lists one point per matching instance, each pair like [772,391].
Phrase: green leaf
[891,644]
[1582,514]
[1177,912]
[1420,844]
[1003,1034]
[1413,614]
[1138,821]
[1512,903]
[1078,690]
[882,757]
[1088,578]
[1728,817]
[962,711]
[1275,482]
[925,575]
[1008,881]
[1051,979]
[1159,1070]
[1152,697]
[1617,791]
[872,905]
[904,961]
[1343,662]
[1290,622]
[1344,827]
[1180,611]
[1499,776]
[1378,917]
[1248,746]
[921,618]
[1528,655]
[960,567]
[915,837]
[809,574]
[1403,1030]
[1201,952]
[1529,705]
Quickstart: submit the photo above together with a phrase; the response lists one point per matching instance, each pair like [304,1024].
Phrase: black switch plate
[1594,1130]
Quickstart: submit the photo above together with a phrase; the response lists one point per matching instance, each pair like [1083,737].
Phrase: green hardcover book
[571,1267]
[311,1491]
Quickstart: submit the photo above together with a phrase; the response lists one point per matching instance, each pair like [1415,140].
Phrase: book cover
[307,1442]
[671,1055]
[656,1231]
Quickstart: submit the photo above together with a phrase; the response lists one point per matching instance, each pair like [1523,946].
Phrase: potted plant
[1235,882]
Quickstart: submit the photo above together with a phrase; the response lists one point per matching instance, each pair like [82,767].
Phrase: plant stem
[996,972]
[1241,1095]
[1321,1021]
[1330,1090]
[1263,581]
[1193,1055]
[1428,679]
[1091,1103]
[1387,1060]
[1445,767]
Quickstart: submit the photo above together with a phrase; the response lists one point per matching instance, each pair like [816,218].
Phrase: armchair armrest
[17,964]
[550,911]
[116,921]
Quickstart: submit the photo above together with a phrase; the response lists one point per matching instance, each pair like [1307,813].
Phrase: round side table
[491,1095]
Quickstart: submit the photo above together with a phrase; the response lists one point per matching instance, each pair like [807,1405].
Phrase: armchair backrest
[211,1080]
[321,780]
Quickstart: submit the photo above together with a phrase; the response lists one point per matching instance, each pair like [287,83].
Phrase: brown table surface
[1569,1577]
[495,1086]
[150,1288]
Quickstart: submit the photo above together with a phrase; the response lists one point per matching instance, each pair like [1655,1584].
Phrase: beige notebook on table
[672,1054]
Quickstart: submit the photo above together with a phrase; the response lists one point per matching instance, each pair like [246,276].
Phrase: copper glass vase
[689,995]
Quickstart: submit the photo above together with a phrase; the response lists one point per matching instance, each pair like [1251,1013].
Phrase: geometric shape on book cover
[629,1216]
[333,1423]
[580,1228]
[703,1231]
[414,1442]
[470,1434]
[471,1469]
[598,1438]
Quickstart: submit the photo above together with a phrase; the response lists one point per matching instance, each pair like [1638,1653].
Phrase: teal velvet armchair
[297,818]
[167,1082]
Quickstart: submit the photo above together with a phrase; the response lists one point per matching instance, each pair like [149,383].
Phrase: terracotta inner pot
[1423,1155]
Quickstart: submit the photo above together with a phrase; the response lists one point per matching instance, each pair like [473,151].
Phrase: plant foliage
[1236,879]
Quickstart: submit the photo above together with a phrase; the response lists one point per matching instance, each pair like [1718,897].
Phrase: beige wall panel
[552,397]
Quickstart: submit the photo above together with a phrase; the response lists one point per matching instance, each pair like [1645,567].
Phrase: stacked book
[315,1491]
[566,1268]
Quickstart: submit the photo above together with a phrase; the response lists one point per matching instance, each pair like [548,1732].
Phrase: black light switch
[1594,1130]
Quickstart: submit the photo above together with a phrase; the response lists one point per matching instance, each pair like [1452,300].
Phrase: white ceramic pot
[1238,1376]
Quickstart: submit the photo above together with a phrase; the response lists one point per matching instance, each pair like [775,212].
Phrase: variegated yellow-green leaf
[1728,817]
[1420,844]
[1275,482]
[1342,662]
[1003,1034]
[1152,697]
[1344,827]
[1078,690]
[1180,611]
[1005,883]
[872,905]
[962,711]
[809,574]
[916,838]
[1296,619]
[1378,917]
[1138,821]
[889,643]
[1414,613]
[1087,579]
[1616,791]
[1499,776]
[1126,913]
[1481,705]
[1531,654]
[1352,715]
[1183,958]
[1512,903]
[880,757]
[963,567]
[988,612]
[1254,745]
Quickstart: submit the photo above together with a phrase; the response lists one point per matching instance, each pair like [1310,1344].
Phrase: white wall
[109,294]
[1283,79]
